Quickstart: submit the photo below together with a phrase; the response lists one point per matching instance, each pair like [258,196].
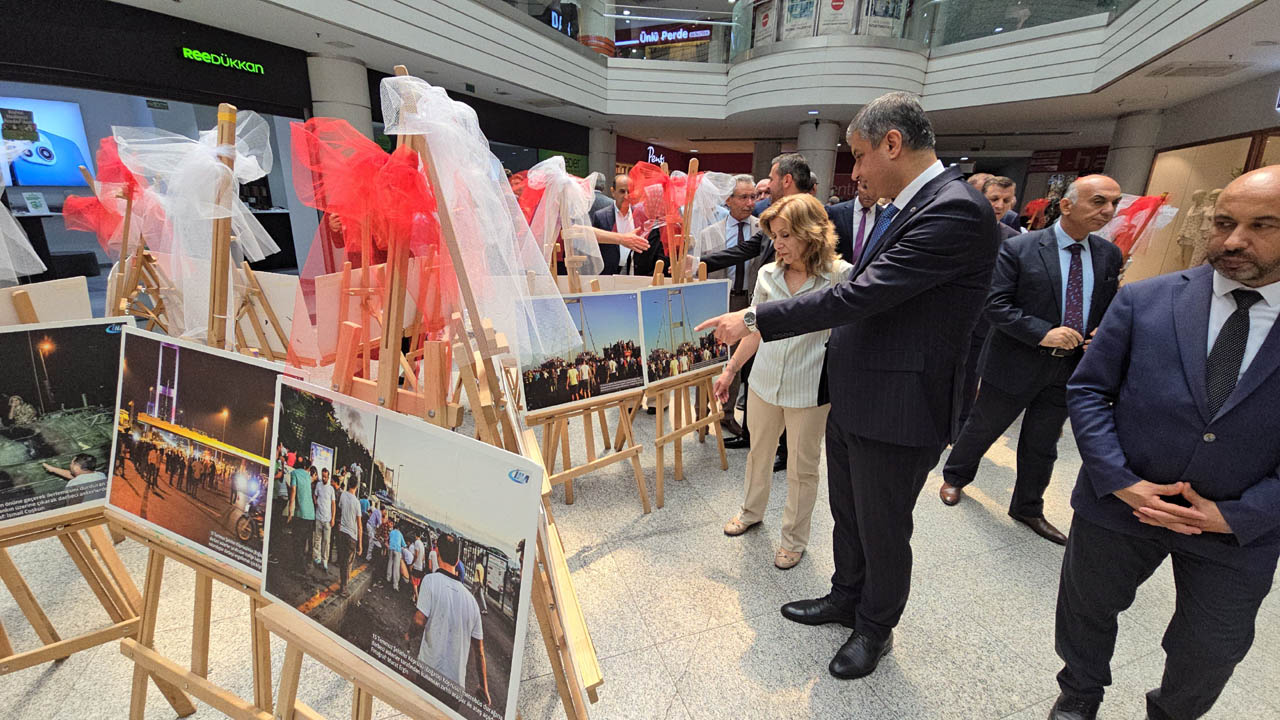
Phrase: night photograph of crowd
[190,457]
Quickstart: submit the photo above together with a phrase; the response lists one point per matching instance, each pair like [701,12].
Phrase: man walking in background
[448,620]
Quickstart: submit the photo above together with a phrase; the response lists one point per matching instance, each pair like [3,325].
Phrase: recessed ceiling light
[813,112]
[692,150]
[963,159]
[626,12]
[952,165]
[998,30]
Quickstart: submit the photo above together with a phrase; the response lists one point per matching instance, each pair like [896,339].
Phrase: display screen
[58,150]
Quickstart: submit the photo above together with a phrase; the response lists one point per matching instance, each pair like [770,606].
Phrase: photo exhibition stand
[104,572]
[568,644]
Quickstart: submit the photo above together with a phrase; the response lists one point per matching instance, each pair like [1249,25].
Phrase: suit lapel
[1053,266]
[1191,325]
[1263,365]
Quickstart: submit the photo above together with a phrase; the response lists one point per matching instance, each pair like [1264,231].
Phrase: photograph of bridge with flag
[670,313]
[191,454]
[606,361]
[420,568]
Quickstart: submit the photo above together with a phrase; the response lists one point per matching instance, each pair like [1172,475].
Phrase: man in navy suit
[854,219]
[618,217]
[1174,412]
[1050,290]
[895,365]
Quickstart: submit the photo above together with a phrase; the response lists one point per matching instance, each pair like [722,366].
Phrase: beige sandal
[736,527]
[785,559]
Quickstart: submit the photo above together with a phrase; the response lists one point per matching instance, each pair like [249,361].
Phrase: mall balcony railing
[752,29]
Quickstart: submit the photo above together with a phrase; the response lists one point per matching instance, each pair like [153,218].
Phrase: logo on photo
[519,476]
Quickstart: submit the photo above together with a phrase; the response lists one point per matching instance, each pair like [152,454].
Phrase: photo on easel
[419,566]
[191,454]
[58,392]
[608,359]
[670,313]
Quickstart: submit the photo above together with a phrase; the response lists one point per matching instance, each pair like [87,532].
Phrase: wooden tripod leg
[715,426]
[542,608]
[659,490]
[568,463]
[177,699]
[361,703]
[115,568]
[88,566]
[604,430]
[6,647]
[26,600]
[200,625]
[289,676]
[624,427]
[261,640]
[589,436]
[678,402]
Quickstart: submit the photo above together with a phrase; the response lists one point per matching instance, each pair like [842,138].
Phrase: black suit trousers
[873,488]
[1219,585]
[970,392]
[1045,403]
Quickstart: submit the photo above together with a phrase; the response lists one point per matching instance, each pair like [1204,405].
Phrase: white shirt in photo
[453,621]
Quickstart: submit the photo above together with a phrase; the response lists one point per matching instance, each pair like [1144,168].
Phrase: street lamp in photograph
[266,424]
[226,413]
[46,346]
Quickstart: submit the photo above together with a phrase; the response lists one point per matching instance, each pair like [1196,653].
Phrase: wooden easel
[220,254]
[170,675]
[255,305]
[568,644]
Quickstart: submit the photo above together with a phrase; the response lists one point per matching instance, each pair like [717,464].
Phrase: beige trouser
[805,428]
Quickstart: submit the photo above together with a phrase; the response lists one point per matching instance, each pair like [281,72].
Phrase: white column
[816,141]
[762,156]
[594,29]
[1133,147]
[340,89]
[602,152]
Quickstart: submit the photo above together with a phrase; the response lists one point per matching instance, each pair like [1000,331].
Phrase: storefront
[138,68]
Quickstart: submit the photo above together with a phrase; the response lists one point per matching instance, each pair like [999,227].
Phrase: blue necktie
[882,224]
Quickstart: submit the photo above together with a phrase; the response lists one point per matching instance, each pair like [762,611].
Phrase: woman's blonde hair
[809,223]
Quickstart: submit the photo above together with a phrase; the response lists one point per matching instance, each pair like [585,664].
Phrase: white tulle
[708,203]
[17,257]
[500,256]
[565,211]
[194,188]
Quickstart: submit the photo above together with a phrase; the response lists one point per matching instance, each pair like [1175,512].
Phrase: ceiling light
[1000,29]
[963,159]
[692,150]
[1256,43]
[626,12]
[628,22]
[813,112]
[952,165]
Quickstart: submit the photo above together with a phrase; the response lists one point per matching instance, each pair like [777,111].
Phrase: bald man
[1049,291]
[1173,409]
[616,217]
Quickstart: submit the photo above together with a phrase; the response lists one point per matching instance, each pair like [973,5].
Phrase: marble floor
[685,620]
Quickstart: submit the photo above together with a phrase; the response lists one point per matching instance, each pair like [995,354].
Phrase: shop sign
[656,159]
[223,60]
[675,35]
[836,17]
[798,18]
[157,105]
[574,163]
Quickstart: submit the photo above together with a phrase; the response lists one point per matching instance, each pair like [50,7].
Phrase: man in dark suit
[900,329]
[1174,411]
[789,175]
[1050,290]
[854,220]
[615,217]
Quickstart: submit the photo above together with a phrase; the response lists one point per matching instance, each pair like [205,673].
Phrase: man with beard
[1173,409]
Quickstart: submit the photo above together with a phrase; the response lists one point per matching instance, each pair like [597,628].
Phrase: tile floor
[686,624]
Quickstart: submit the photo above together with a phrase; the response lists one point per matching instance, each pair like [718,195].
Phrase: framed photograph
[58,393]
[419,566]
[669,314]
[192,444]
[608,360]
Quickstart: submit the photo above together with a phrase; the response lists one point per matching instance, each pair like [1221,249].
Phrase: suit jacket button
[1209,437]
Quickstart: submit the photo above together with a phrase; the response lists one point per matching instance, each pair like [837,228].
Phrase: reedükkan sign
[223,60]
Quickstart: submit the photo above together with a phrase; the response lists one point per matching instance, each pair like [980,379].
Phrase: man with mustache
[1049,291]
[1173,409]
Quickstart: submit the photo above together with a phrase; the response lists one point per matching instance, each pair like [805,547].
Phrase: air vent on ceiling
[1197,69]
[545,102]
[339,44]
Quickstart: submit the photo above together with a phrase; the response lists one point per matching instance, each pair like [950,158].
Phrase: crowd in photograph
[589,374]
[664,363]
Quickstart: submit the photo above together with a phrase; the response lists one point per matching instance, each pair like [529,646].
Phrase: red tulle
[1133,220]
[88,214]
[112,170]
[660,198]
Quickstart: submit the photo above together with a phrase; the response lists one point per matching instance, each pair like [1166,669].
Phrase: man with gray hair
[900,329]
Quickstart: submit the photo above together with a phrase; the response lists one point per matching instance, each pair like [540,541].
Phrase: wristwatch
[749,318]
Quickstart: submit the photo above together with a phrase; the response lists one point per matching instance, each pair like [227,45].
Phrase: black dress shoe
[859,656]
[1042,527]
[1073,708]
[819,611]
[731,425]
[779,463]
[741,442]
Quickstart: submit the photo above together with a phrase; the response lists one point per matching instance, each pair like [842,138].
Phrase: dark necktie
[1073,313]
[860,237]
[740,270]
[1222,370]
[882,224]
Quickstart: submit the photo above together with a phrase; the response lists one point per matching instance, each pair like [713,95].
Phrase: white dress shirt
[907,193]
[731,240]
[787,371]
[624,224]
[858,212]
[1261,316]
